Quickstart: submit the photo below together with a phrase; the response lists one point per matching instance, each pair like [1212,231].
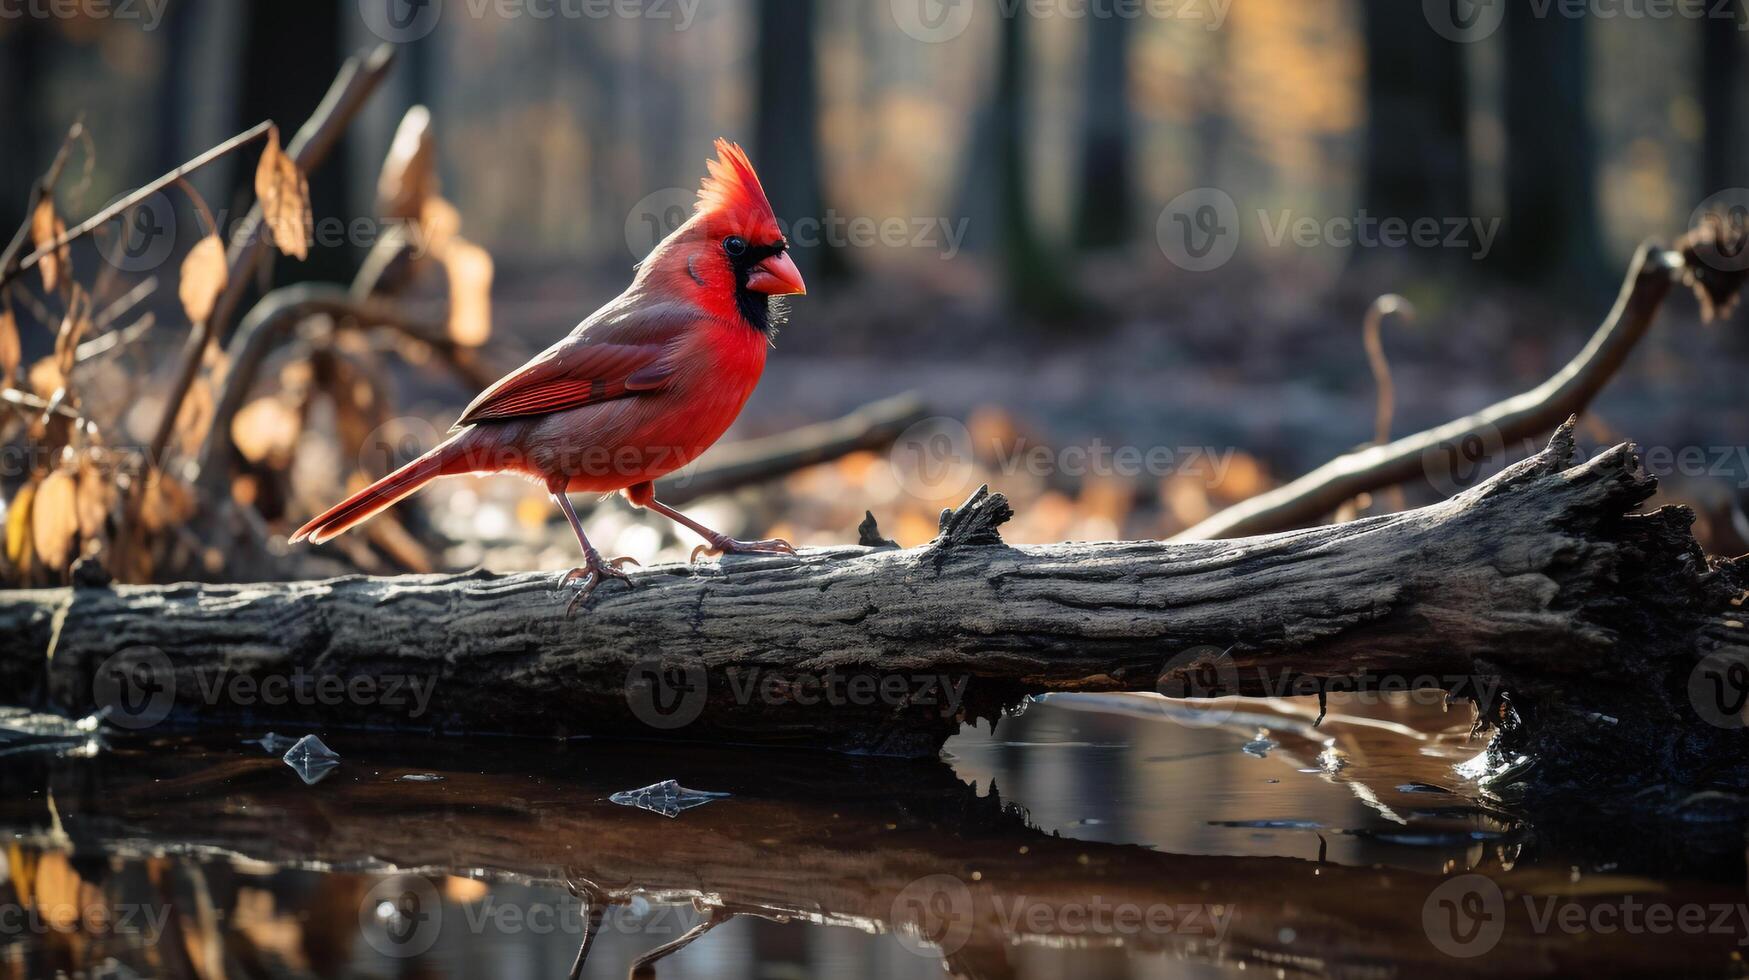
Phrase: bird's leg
[595,568]
[720,543]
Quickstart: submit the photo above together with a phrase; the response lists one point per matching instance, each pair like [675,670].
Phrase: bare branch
[873,426]
[134,198]
[1650,277]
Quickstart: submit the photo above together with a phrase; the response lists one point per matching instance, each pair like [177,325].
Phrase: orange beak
[777,276]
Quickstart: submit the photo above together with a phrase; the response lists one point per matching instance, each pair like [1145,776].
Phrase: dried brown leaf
[165,502]
[45,377]
[284,193]
[18,527]
[409,174]
[266,430]
[195,416]
[470,292]
[97,497]
[217,364]
[10,351]
[440,221]
[55,519]
[204,275]
[45,227]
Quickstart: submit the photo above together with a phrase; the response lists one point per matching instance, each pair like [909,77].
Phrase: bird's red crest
[732,196]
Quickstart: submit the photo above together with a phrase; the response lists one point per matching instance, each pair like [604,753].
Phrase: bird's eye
[735,245]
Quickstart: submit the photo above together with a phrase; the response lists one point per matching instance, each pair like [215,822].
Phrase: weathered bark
[1539,580]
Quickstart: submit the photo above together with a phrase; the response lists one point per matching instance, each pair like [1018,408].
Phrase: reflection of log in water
[877,845]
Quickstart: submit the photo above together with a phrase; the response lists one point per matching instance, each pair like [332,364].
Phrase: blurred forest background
[1036,156]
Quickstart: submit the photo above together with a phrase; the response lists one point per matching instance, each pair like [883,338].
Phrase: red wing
[570,374]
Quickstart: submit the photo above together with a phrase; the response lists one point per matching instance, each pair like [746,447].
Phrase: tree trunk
[1721,99]
[1105,204]
[786,127]
[1032,277]
[1417,138]
[1551,228]
[1539,582]
[291,51]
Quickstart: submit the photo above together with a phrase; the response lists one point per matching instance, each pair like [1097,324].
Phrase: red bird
[640,388]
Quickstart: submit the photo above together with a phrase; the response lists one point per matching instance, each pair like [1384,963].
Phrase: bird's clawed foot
[595,570]
[723,544]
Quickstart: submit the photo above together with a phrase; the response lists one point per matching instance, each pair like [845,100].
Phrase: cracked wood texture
[1540,584]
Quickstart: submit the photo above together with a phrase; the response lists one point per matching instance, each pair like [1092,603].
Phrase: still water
[1087,837]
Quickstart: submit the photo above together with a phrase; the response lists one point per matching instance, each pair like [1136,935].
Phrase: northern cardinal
[639,389]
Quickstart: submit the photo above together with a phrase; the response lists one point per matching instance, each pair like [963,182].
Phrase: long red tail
[379,496]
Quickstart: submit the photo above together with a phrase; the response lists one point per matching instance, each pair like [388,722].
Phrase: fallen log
[1586,633]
